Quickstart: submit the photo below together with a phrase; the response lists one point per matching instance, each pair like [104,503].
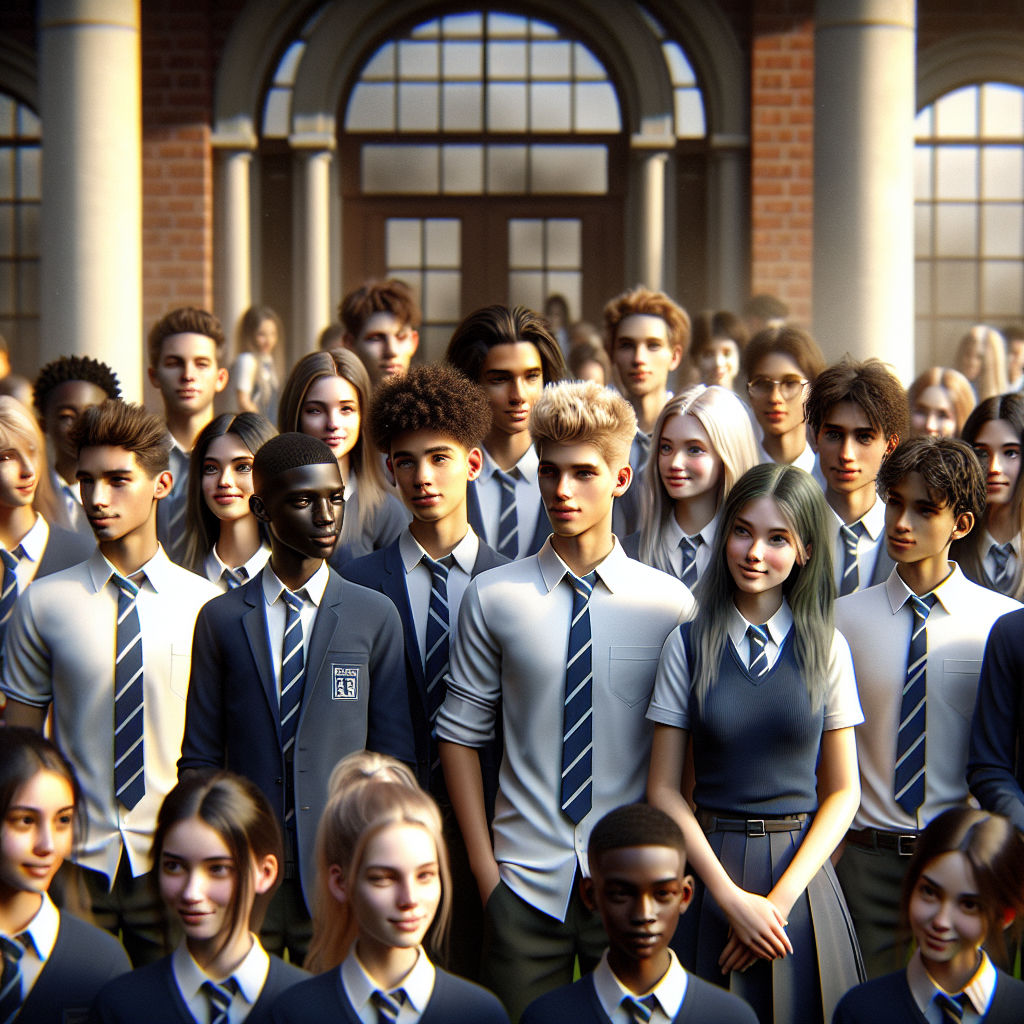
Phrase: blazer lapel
[254,622]
[324,625]
[394,587]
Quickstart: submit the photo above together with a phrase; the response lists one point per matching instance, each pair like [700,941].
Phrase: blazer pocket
[348,675]
[181,668]
[631,672]
[960,685]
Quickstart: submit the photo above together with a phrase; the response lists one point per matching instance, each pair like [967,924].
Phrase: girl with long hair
[981,358]
[940,401]
[256,373]
[761,686]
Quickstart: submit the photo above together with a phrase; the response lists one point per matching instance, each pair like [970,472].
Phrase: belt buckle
[755,827]
[910,841]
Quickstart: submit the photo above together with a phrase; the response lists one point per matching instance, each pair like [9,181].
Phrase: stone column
[235,167]
[652,154]
[863,180]
[315,297]
[91,217]
[729,217]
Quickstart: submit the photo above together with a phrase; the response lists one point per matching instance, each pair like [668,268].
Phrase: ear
[623,479]
[1009,916]
[685,892]
[348,340]
[963,526]
[587,889]
[807,554]
[812,440]
[265,874]
[153,377]
[258,509]
[391,472]
[894,443]
[222,379]
[414,338]
[336,884]
[677,358]
[475,461]
[164,483]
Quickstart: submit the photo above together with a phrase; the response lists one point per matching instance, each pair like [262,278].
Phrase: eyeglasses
[763,387]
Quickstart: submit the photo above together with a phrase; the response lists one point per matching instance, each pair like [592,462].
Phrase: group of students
[540,603]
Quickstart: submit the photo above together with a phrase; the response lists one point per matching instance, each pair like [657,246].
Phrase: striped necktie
[850,535]
[177,502]
[389,1005]
[129,777]
[639,1010]
[10,980]
[1000,554]
[578,722]
[910,741]
[9,592]
[508,518]
[435,663]
[689,546]
[220,997]
[758,657]
[952,1007]
[234,577]
[293,670]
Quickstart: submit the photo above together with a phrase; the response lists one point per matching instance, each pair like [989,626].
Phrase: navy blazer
[453,1001]
[355,696]
[995,768]
[384,572]
[64,548]
[540,534]
[151,994]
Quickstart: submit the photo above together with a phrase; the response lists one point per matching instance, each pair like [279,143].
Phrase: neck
[186,427]
[15,522]
[586,551]
[221,963]
[648,408]
[131,552]
[507,449]
[693,514]
[291,568]
[757,609]
[344,467]
[17,908]
[854,505]
[442,536]
[953,975]
[66,468]
[787,447]
[239,540]
[924,576]
[387,965]
[999,522]
[639,976]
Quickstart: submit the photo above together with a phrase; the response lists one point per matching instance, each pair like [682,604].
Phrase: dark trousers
[467,921]
[287,924]
[527,953]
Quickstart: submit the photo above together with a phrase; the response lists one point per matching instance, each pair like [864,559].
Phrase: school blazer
[355,696]
[83,960]
[384,572]
[540,534]
[151,994]
[64,548]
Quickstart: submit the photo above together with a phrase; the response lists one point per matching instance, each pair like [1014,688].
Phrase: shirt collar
[34,542]
[527,465]
[215,568]
[778,626]
[464,552]
[250,975]
[669,991]
[675,532]
[613,571]
[314,587]
[873,520]
[989,540]
[979,990]
[418,984]
[42,929]
[953,592]
[159,570]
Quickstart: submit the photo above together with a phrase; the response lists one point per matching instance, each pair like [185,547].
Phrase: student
[77,638]
[186,350]
[381,322]
[64,389]
[962,891]
[282,713]
[530,634]
[382,890]
[762,685]
[218,854]
[587,360]
[781,363]
[981,358]
[512,355]
[763,311]
[646,334]
[1013,335]
[716,347]
[53,964]
[704,445]
[940,401]
[639,886]
[856,415]
[327,395]
[254,375]
[991,554]
[226,542]
[912,746]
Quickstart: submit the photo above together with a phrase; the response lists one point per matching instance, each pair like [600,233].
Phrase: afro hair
[69,368]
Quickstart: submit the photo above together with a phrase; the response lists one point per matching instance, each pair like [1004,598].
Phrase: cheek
[171,886]
[311,423]
[243,481]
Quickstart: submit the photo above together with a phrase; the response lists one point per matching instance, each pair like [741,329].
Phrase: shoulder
[359,600]
[120,999]
[631,545]
[102,946]
[280,977]
[1009,628]
[870,600]
[570,1003]
[487,558]
[231,605]
[462,1001]
[315,998]
[1008,999]
[190,585]
[864,1002]
[705,1001]
[653,589]
[985,605]
[367,570]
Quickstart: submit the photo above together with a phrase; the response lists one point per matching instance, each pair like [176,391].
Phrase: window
[545,257]
[277,109]
[969,213]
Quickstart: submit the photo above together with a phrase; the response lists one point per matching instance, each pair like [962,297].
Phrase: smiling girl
[763,686]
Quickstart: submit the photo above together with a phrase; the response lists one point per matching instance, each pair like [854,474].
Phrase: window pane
[1003,230]
[549,107]
[411,169]
[1002,288]
[923,172]
[28,229]
[526,288]
[506,169]
[1002,110]
[8,110]
[29,184]
[506,108]
[957,172]
[923,287]
[1002,172]
[956,114]
[565,244]
[469,26]
[28,287]
[567,284]
[285,74]
[542,30]
[443,299]
[29,126]
[428,30]
[525,243]
[277,114]
[956,287]
[956,229]
[924,123]
[463,60]
[418,60]
[678,66]
[588,67]
[597,108]
[506,25]
[549,60]
[414,279]
[689,114]
[923,229]
[462,170]
[372,108]
[381,64]
[403,242]
[418,108]
[443,245]
[577,169]
[463,108]
[6,230]
[948,333]
[7,304]
[506,60]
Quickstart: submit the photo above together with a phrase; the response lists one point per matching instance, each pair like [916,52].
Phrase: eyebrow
[427,451]
[205,860]
[771,529]
[941,888]
[853,430]
[37,810]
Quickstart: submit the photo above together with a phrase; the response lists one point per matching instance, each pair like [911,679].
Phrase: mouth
[227,499]
[390,368]
[99,521]
[37,870]
[187,394]
[193,917]
[324,540]
[426,500]
[407,924]
[900,544]
[845,474]
[562,514]
[751,573]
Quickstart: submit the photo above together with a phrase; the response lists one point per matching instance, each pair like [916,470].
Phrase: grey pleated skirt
[802,987]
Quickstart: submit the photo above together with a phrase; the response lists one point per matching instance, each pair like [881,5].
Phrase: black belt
[751,826]
[876,839]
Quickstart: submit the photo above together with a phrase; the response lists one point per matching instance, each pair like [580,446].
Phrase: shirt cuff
[668,716]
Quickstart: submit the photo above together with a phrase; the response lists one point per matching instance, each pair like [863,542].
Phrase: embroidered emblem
[345,682]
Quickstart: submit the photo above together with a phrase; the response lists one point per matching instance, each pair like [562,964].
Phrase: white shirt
[669,992]
[419,582]
[867,544]
[877,623]
[250,977]
[60,648]
[807,460]
[42,931]
[988,561]
[488,490]
[215,567]
[511,650]
[979,990]
[34,545]
[276,610]
[359,987]
[674,537]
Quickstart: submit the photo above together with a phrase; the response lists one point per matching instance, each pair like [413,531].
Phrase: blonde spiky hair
[584,412]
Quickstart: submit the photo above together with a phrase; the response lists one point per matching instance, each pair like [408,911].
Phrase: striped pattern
[10,980]
[689,546]
[176,503]
[388,1004]
[639,1010]
[9,592]
[952,1007]
[234,577]
[999,552]
[435,662]
[758,658]
[129,746]
[220,997]
[293,671]
[508,518]
[910,742]
[850,536]
[578,722]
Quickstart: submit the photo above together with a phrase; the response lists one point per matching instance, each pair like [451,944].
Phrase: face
[266,337]
[187,373]
[761,549]
[386,346]
[687,460]
[397,890]
[331,413]
[971,362]
[303,507]
[850,449]
[513,377]
[719,363]
[946,913]
[432,471]
[998,449]
[1014,360]
[577,487]
[18,478]
[643,354]
[37,834]
[594,371]
[639,891]
[227,477]
[916,525]
[933,414]
[776,413]
[118,494]
[66,403]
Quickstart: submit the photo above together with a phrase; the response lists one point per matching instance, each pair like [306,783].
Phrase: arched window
[969,210]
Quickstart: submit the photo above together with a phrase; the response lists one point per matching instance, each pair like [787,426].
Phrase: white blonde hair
[584,412]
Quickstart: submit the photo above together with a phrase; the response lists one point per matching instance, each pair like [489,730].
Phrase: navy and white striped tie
[9,592]
[689,546]
[10,980]
[578,721]
[508,518]
[757,659]
[129,715]
[850,535]
[1000,554]
[293,670]
[435,662]
[389,1005]
[910,741]
[952,1007]
[640,1010]
[234,577]
[220,997]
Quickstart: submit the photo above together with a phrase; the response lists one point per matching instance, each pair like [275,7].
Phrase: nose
[424,473]
[188,370]
[44,839]
[515,391]
[645,908]
[226,478]
[931,424]
[755,552]
[390,344]
[323,511]
[563,489]
[194,890]
[846,449]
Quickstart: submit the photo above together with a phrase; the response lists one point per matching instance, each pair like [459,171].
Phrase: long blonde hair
[989,345]
[19,430]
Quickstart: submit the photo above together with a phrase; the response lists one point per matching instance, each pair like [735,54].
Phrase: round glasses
[763,387]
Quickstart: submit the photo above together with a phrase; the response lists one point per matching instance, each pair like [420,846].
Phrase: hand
[736,956]
[487,879]
[758,924]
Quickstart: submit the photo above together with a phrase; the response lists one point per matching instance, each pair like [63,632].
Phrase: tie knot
[234,577]
[440,568]
[11,949]
[220,995]
[293,600]
[758,635]
[1001,553]
[127,586]
[691,543]
[388,1004]
[922,605]
[639,1010]
[507,480]
[852,534]
[12,558]
[583,585]
[952,1006]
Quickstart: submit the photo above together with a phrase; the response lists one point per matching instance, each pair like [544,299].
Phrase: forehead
[565,455]
[416,442]
[953,872]
[45,789]
[331,389]
[725,346]
[188,346]
[777,365]
[935,396]
[382,323]
[194,839]
[516,357]
[850,415]
[764,514]
[107,458]
[227,447]
[997,432]
[77,393]
[641,326]
[640,864]
[321,477]
[685,427]
[912,488]
[398,844]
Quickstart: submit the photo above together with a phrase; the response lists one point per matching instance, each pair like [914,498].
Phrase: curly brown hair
[869,384]
[435,398]
[186,320]
[641,301]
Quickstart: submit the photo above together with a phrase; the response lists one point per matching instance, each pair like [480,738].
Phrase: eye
[171,867]
[427,875]
[779,539]
[243,467]
[695,449]
[740,531]
[210,469]
[65,820]
[926,890]
[1011,453]
[665,449]
[970,905]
